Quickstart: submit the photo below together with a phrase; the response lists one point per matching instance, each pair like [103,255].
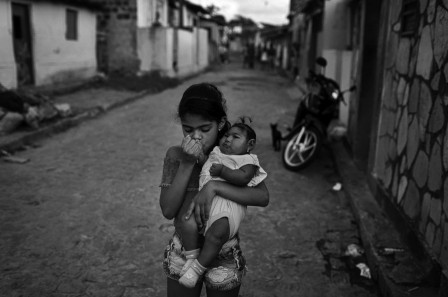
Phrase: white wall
[203,48]
[336,24]
[146,12]
[57,59]
[155,50]
[185,55]
[8,74]
[192,51]
[339,68]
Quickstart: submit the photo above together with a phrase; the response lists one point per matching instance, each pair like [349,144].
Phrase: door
[22,44]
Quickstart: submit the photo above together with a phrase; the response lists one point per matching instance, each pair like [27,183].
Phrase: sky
[266,11]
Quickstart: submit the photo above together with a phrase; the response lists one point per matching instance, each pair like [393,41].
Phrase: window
[71,20]
[409,17]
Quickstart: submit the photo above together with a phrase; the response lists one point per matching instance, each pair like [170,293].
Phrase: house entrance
[22,44]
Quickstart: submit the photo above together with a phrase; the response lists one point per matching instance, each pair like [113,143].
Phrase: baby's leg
[188,230]
[215,237]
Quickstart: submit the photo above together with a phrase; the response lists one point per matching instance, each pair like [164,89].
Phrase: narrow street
[82,218]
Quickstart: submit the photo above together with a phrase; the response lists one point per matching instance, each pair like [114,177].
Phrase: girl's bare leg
[188,231]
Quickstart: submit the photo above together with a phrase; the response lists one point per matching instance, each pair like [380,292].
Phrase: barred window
[410,17]
[71,20]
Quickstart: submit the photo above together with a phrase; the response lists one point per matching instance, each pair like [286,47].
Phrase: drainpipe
[181,13]
[198,47]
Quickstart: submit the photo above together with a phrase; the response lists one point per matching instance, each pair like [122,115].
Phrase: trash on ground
[354,250]
[286,254]
[7,157]
[12,159]
[365,270]
[29,107]
[63,109]
[337,187]
[386,251]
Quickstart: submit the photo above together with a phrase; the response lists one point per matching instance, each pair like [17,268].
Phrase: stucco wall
[156,50]
[336,18]
[56,59]
[8,75]
[411,161]
[203,48]
[185,53]
[192,54]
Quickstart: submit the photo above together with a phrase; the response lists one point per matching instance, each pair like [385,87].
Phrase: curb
[377,231]
[65,124]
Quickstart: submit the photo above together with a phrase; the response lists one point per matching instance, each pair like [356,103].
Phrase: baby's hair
[244,124]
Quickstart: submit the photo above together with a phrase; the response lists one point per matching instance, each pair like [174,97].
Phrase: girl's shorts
[225,273]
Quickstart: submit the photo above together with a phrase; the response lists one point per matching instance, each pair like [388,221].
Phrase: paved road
[82,217]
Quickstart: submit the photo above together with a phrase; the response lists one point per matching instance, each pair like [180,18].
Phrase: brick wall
[117,40]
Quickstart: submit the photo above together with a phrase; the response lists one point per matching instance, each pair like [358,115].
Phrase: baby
[231,162]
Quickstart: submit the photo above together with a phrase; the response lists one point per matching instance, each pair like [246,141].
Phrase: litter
[7,157]
[365,270]
[337,187]
[354,250]
[12,159]
[389,251]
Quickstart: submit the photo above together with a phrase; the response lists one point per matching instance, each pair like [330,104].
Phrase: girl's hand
[192,148]
[216,169]
[201,204]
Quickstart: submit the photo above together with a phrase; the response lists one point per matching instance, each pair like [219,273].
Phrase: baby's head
[240,139]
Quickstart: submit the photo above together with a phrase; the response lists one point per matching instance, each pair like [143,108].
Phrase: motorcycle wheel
[302,148]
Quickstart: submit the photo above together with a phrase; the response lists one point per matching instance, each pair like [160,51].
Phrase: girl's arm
[172,197]
[249,196]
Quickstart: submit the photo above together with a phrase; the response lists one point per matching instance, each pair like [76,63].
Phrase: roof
[78,3]
[274,32]
[194,7]
[304,6]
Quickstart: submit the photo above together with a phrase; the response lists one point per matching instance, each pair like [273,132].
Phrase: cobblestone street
[82,218]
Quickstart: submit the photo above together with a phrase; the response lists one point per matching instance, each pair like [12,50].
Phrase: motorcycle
[318,107]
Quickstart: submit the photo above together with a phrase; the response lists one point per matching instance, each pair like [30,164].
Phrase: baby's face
[234,142]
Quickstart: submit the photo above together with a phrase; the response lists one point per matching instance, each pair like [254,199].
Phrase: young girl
[232,162]
[202,113]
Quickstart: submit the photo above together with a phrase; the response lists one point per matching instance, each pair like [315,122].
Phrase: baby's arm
[239,177]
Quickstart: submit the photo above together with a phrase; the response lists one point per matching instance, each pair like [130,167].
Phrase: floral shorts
[225,273]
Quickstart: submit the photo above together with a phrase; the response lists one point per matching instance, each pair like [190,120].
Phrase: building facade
[41,42]
[151,35]
[396,53]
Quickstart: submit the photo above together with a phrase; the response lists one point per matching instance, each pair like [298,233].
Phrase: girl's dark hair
[243,124]
[205,100]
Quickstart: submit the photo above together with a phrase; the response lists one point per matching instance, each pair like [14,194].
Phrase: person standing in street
[202,113]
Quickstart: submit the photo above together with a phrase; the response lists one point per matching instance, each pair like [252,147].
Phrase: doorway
[23,52]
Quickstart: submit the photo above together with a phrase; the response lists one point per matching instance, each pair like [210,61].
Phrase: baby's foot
[190,255]
[190,278]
